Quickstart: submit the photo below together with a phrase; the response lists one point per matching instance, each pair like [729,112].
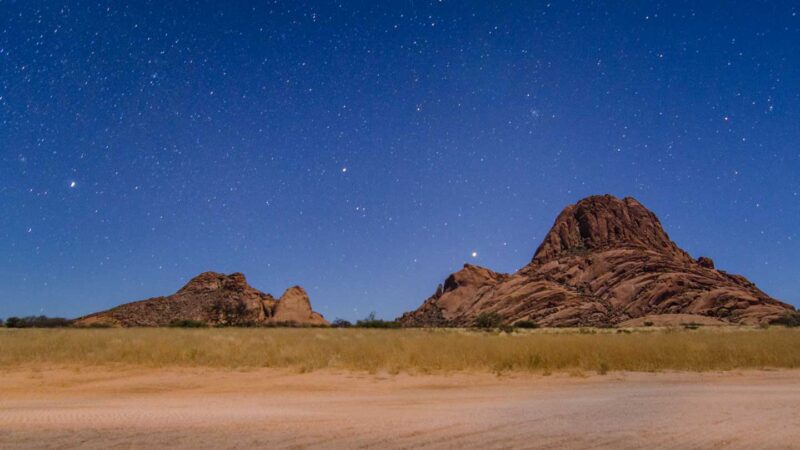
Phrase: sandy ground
[266,408]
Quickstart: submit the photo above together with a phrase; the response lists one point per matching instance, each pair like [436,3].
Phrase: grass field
[408,350]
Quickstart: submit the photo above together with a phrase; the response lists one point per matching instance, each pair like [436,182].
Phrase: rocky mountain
[606,261]
[215,299]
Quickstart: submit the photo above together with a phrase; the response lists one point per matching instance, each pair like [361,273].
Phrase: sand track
[231,409]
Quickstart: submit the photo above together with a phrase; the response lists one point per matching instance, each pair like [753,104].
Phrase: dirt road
[231,409]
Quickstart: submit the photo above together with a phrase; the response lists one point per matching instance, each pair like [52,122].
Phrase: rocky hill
[606,261]
[215,299]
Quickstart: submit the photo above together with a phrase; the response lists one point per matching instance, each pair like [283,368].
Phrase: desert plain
[726,387]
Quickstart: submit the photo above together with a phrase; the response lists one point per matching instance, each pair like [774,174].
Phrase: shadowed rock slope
[605,261]
[215,299]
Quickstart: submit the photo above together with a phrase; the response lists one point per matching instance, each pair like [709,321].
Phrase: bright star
[474,254]
[72,184]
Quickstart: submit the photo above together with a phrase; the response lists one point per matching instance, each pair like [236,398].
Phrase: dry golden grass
[415,351]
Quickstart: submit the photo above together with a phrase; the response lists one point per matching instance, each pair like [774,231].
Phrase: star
[474,254]
[72,184]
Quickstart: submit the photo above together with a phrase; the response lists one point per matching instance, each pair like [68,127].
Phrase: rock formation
[606,261]
[215,299]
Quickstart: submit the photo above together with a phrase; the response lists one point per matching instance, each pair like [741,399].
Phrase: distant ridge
[606,261]
[214,299]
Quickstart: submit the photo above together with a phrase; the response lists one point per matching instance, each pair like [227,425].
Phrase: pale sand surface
[140,408]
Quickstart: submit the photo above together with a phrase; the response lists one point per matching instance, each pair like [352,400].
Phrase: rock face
[294,307]
[215,299]
[605,261]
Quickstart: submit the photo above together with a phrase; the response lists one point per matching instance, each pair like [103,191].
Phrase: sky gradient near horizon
[364,150]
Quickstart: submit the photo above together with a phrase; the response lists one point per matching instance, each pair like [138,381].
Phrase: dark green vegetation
[372,322]
[485,321]
[187,324]
[341,323]
[35,322]
[488,321]
[790,319]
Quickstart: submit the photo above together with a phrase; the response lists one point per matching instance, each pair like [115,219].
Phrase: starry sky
[364,150]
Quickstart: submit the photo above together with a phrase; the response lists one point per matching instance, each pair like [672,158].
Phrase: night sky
[364,150]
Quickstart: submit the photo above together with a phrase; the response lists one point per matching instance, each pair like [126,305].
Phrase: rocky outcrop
[604,262]
[294,307]
[601,222]
[215,299]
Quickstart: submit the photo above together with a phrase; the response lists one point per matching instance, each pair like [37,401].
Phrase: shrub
[281,324]
[37,322]
[187,323]
[341,323]
[488,320]
[371,322]
[230,313]
[790,319]
[507,328]
[526,324]
[648,324]
[378,324]
[1,323]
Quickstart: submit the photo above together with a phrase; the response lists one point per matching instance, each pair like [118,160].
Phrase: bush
[526,324]
[2,324]
[37,322]
[371,322]
[507,328]
[488,320]
[187,323]
[790,319]
[231,314]
[341,323]
[648,324]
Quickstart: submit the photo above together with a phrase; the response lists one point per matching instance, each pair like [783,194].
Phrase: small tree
[341,323]
[372,322]
[37,322]
[488,320]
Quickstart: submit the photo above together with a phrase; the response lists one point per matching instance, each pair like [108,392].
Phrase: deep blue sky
[365,149]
